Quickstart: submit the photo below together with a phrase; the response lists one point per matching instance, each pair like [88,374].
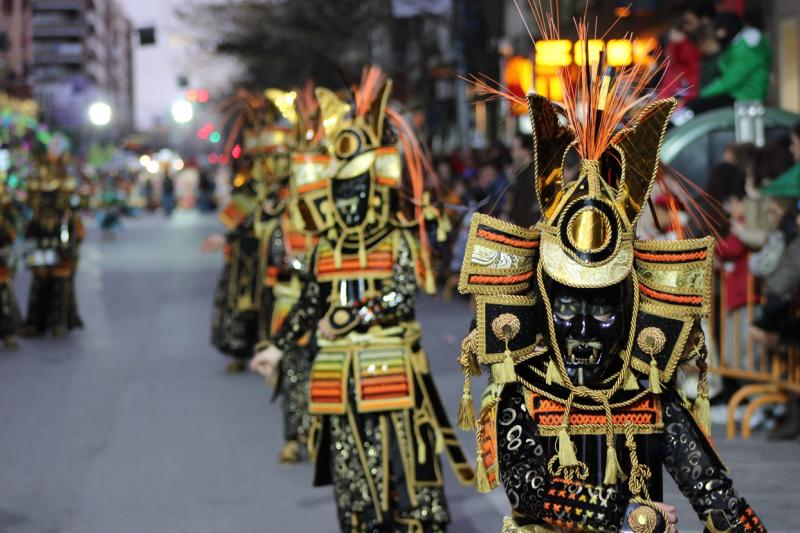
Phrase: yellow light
[642,49]
[595,47]
[543,85]
[177,164]
[519,73]
[144,160]
[619,52]
[622,11]
[556,94]
[152,167]
[554,53]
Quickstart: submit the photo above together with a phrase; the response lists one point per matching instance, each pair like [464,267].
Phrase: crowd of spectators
[715,59]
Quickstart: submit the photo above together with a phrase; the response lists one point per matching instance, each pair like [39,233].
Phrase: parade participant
[9,311]
[583,327]
[378,422]
[56,229]
[238,318]
[287,241]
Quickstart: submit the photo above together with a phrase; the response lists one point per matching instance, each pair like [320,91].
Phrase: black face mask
[590,330]
[351,197]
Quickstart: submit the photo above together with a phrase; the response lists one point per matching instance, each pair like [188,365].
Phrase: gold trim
[560,266]
[481,301]
[525,257]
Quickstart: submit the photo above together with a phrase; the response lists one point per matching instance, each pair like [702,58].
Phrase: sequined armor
[674,439]
[234,319]
[286,253]
[9,311]
[583,327]
[378,424]
[52,304]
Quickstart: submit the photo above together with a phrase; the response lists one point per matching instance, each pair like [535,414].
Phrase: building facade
[76,52]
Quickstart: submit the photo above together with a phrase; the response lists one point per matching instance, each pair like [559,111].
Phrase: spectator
[744,66]
[491,184]
[682,74]
[168,195]
[775,325]
[732,254]
[523,209]
[698,24]
[780,215]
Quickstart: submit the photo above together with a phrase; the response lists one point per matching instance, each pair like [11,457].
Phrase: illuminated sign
[521,73]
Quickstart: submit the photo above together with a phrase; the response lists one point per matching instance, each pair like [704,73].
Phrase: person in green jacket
[744,67]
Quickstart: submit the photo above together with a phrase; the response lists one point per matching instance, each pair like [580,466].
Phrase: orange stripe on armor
[368,391]
[550,414]
[313,186]
[674,298]
[501,280]
[670,258]
[503,239]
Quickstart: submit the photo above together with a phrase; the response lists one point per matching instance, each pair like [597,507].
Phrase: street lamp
[182,111]
[100,114]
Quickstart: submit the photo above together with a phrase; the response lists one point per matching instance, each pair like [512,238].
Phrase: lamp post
[182,111]
[100,114]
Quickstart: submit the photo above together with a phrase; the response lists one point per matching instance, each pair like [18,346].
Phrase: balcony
[58,5]
[48,31]
[57,53]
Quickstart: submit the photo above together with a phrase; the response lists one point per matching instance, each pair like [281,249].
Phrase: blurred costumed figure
[10,318]
[287,240]
[238,318]
[378,425]
[110,209]
[56,230]
[583,327]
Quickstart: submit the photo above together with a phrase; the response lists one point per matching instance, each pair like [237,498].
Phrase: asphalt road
[131,425]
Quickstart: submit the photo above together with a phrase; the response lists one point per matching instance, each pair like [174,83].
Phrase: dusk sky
[157,67]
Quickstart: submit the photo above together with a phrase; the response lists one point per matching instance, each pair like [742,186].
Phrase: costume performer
[583,327]
[237,318]
[9,311]
[378,422]
[287,241]
[57,231]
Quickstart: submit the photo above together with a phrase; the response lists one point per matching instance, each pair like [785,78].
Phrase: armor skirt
[385,472]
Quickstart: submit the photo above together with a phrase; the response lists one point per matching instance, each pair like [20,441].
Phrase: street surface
[132,425]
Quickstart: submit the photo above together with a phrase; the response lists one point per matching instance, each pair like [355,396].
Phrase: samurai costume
[57,231]
[583,327]
[10,318]
[287,241]
[378,424]
[237,317]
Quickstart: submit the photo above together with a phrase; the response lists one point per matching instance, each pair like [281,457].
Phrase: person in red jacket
[682,73]
[731,255]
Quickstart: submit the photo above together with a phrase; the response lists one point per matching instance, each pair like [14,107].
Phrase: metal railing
[769,375]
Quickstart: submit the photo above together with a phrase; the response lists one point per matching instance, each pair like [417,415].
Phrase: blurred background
[131,425]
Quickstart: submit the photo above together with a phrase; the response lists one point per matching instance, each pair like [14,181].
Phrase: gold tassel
[630,383]
[438,446]
[613,470]
[553,375]
[371,216]
[466,410]
[337,252]
[566,450]
[655,381]
[702,411]
[362,250]
[481,479]
[504,372]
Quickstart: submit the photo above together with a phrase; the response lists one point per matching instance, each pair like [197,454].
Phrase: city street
[132,425]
